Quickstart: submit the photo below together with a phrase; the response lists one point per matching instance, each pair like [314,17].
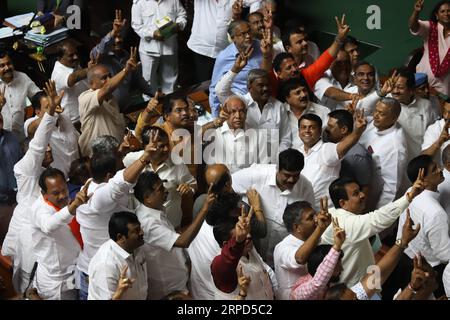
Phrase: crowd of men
[307,168]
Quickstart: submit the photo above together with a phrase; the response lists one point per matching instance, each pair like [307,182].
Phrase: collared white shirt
[432,135]
[287,269]
[27,172]
[433,240]
[313,108]
[55,247]
[358,254]
[389,156]
[175,174]
[166,264]
[322,167]
[16,94]
[203,249]
[230,147]
[64,142]
[94,215]
[69,102]
[209,28]
[144,16]
[326,82]
[415,119]
[444,192]
[105,268]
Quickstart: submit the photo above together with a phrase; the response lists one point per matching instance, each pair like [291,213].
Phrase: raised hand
[184,189]
[342,27]
[324,217]
[123,284]
[53,97]
[418,185]
[152,106]
[360,122]
[93,60]
[82,197]
[132,63]
[254,199]
[418,6]
[243,225]
[118,24]
[129,143]
[243,282]
[237,9]
[267,42]
[351,107]
[2,97]
[242,60]
[338,234]
[152,146]
[268,17]
[389,84]
[419,276]
[211,197]
[409,233]
[444,136]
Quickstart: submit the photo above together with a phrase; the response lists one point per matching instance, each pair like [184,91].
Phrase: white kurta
[432,135]
[444,192]
[326,82]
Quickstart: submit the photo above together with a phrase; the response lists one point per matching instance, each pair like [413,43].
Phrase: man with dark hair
[56,236]
[290,255]
[433,241]
[351,46]
[357,162]
[323,160]
[110,189]
[180,183]
[444,188]
[349,208]
[386,142]
[278,186]
[122,254]
[15,88]
[295,41]
[416,113]
[166,262]
[297,97]
[18,244]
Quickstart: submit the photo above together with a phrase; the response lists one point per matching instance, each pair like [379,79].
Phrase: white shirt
[415,119]
[444,192]
[203,249]
[27,172]
[272,121]
[322,167]
[389,156]
[262,177]
[313,108]
[209,28]
[433,240]
[64,143]
[55,247]
[446,280]
[145,14]
[287,269]
[94,216]
[326,82]
[69,102]
[358,254]
[166,264]
[105,268]
[229,147]
[175,174]
[432,135]
[16,94]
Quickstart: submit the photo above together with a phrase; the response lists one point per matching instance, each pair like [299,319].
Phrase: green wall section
[394,38]
[21,6]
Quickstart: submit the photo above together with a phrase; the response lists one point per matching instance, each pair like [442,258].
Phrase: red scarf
[73,225]
[439,69]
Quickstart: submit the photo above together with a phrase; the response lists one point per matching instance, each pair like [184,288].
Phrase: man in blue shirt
[242,40]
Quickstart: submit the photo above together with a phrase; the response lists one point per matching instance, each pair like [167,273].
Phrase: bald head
[97,76]
[218,175]
[237,111]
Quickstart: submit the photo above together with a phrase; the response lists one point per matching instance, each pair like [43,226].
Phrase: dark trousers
[401,276]
[204,67]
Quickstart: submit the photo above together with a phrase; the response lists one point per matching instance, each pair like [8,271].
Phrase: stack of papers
[45,40]
[20,20]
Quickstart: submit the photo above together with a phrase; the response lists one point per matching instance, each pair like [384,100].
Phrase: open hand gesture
[242,60]
[53,97]
[324,217]
[118,24]
[408,233]
[339,234]
[243,225]
[418,6]
[132,63]
[360,122]
[2,97]
[343,27]
[184,189]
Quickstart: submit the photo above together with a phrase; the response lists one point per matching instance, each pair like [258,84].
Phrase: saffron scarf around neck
[439,69]
[73,225]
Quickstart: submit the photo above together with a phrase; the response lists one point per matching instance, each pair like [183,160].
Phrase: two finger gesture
[360,122]
[53,97]
[418,6]
[343,27]
[408,232]
[324,217]
[338,234]
[243,225]
[242,60]
[132,63]
[418,186]
[389,84]
[118,24]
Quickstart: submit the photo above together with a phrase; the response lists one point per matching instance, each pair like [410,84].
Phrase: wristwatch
[400,243]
